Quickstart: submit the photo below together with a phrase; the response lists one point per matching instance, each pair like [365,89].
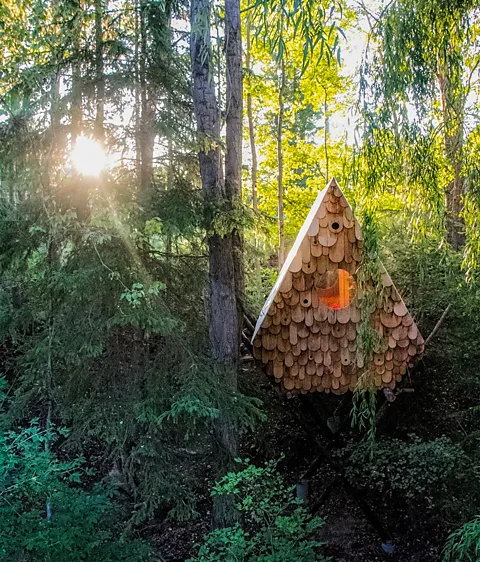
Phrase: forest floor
[418,534]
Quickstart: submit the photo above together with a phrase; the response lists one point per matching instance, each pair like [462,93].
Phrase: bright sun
[88,157]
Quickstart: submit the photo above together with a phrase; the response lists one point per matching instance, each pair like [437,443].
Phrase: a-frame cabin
[307,332]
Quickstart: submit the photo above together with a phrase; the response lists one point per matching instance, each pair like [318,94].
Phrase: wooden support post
[347,486]
[438,324]
[325,456]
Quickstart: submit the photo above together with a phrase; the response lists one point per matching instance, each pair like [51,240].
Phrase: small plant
[275,525]
[463,545]
[45,516]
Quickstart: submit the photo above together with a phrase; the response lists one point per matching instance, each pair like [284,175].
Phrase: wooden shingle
[308,329]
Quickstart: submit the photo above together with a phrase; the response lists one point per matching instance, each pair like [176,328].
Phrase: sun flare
[88,157]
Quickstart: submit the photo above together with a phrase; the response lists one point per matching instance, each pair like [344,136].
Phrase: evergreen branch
[114,274]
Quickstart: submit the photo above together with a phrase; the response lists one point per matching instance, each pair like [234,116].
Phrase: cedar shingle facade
[307,333]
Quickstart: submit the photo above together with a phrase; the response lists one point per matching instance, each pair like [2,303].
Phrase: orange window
[336,288]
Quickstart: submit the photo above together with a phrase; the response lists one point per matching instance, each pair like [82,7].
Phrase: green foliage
[427,35]
[205,395]
[221,219]
[258,284]
[117,340]
[363,413]
[414,87]
[135,295]
[314,89]
[463,545]
[275,525]
[412,469]
[370,289]
[45,515]
[471,213]
[102,325]
[313,25]
[431,279]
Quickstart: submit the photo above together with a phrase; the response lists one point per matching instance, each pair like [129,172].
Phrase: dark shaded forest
[158,159]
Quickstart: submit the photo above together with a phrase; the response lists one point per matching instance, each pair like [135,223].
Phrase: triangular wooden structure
[307,332]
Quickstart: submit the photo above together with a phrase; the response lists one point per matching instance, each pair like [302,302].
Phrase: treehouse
[312,333]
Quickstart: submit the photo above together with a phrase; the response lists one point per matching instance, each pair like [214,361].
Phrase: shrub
[275,526]
[419,468]
[45,516]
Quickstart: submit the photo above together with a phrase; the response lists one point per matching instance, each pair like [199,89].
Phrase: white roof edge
[293,252]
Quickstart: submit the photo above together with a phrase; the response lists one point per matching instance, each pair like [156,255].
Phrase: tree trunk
[77,91]
[281,111]
[453,109]
[79,195]
[222,302]
[99,73]
[325,137]
[7,183]
[234,126]
[171,118]
[251,126]
[137,109]
[55,140]
[147,116]
[170,182]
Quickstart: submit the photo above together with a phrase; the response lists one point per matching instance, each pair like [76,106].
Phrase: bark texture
[224,336]
[233,156]
[77,90]
[453,109]
[99,73]
[80,187]
[251,126]
[146,135]
[281,112]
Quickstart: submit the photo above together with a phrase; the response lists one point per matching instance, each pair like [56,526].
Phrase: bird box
[309,333]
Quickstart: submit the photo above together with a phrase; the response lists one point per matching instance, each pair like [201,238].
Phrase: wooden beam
[438,324]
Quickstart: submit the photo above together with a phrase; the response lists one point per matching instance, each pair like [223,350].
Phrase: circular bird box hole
[310,357]
[315,242]
[305,301]
[345,361]
[336,225]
